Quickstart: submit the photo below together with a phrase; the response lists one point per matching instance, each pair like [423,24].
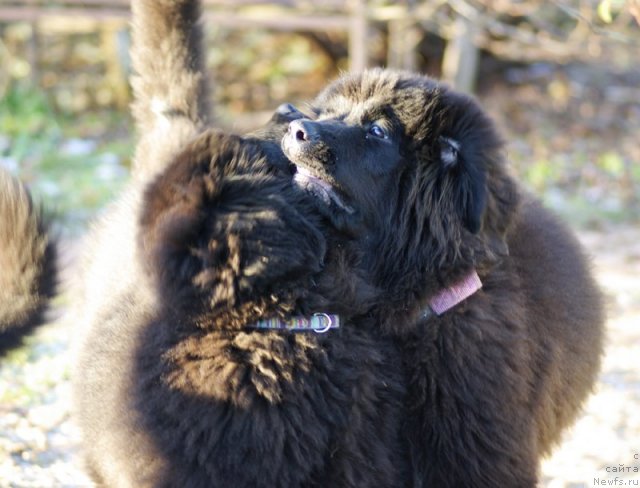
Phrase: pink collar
[450,297]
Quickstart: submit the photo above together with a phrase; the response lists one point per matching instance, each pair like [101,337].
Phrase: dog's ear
[470,182]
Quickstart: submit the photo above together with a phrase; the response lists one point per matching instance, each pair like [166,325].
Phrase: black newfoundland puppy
[382,308]
[489,297]
[180,379]
[190,386]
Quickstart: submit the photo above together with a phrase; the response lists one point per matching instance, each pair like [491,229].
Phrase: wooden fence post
[358,36]
[460,61]
[110,37]
[33,53]
[404,37]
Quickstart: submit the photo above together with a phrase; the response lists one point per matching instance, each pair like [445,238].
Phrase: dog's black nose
[303,130]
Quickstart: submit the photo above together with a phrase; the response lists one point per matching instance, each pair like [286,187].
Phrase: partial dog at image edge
[470,324]
[28,271]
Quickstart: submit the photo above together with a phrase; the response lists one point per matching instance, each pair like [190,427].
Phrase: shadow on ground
[39,443]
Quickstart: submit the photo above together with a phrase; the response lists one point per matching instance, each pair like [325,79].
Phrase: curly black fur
[217,225]
[172,386]
[399,189]
[493,382]
[228,241]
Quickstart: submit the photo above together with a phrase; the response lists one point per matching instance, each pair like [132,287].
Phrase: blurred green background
[562,80]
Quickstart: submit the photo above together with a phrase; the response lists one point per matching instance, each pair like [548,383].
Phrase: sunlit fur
[493,382]
[173,386]
[28,271]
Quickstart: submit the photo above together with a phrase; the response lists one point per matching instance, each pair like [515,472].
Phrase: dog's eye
[376,131]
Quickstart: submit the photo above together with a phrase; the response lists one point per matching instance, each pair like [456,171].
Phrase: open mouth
[304,178]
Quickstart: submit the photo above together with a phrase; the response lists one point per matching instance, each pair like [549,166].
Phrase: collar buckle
[319,322]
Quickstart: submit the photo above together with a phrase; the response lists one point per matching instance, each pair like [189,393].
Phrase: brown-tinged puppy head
[419,164]
[225,234]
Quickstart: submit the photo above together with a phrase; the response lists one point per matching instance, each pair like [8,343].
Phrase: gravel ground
[39,443]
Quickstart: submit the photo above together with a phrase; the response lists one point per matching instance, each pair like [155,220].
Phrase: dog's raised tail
[169,82]
[28,271]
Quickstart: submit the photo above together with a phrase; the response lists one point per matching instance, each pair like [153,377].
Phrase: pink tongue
[321,188]
[304,175]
